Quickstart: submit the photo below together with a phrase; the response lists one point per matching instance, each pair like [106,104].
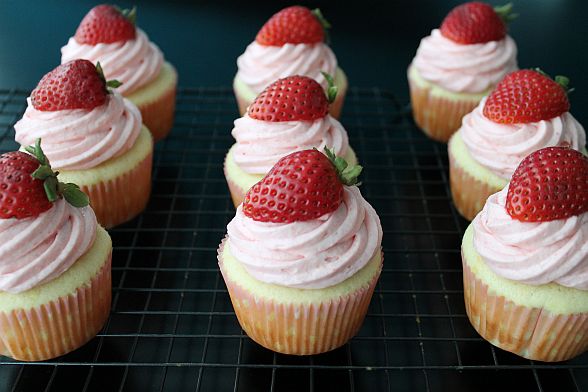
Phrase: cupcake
[291,42]
[94,137]
[527,111]
[291,114]
[55,281]
[525,259]
[458,64]
[302,256]
[109,36]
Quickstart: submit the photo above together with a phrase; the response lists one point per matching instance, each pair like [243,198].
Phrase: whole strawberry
[77,84]
[301,186]
[293,25]
[549,184]
[29,187]
[527,96]
[295,98]
[106,24]
[476,22]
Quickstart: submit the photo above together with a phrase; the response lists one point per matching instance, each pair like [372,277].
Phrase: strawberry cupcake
[94,137]
[108,35]
[291,42]
[525,259]
[289,115]
[302,256]
[458,64]
[55,281]
[527,111]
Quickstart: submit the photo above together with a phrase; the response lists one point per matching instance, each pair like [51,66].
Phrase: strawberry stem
[347,174]
[130,14]
[331,88]
[53,188]
[324,22]
[108,84]
[505,13]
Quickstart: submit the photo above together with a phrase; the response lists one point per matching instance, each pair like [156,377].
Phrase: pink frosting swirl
[260,144]
[80,139]
[262,65]
[501,147]
[134,63]
[532,252]
[462,68]
[37,250]
[312,254]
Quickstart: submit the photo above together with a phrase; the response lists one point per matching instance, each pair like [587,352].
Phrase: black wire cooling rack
[172,326]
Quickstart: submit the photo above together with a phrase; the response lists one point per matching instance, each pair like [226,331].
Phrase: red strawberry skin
[473,23]
[301,186]
[104,24]
[526,96]
[295,98]
[293,25]
[21,196]
[549,184]
[73,85]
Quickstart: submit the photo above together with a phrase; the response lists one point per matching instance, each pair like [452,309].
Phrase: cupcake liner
[237,192]
[299,328]
[439,117]
[122,198]
[533,333]
[158,115]
[469,193]
[59,326]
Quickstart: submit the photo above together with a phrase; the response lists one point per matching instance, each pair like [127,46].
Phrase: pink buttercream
[312,254]
[501,147]
[81,139]
[262,65]
[532,252]
[260,144]
[37,250]
[134,63]
[462,68]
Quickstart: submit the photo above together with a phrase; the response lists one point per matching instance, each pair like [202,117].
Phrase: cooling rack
[172,326]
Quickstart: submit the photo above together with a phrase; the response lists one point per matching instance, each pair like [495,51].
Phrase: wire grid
[172,326]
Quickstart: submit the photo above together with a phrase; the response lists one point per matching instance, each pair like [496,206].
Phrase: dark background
[374,40]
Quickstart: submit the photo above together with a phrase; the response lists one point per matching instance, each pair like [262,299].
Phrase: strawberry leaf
[74,196]
[324,22]
[505,13]
[332,90]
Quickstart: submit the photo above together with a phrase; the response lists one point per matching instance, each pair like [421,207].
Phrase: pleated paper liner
[59,326]
[158,113]
[438,116]
[532,333]
[299,328]
[469,193]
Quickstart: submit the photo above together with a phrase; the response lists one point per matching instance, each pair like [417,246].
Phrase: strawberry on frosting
[290,43]
[78,133]
[470,52]
[525,112]
[108,35]
[536,229]
[290,114]
[45,225]
[305,224]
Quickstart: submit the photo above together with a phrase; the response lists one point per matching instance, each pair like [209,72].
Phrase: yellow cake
[157,101]
[63,314]
[240,181]
[273,315]
[119,188]
[245,95]
[546,322]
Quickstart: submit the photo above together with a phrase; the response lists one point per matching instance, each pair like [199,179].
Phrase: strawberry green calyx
[331,88]
[505,13]
[53,188]
[563,81]
[324,22]
[110,83]
[130,14]
[347,174]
